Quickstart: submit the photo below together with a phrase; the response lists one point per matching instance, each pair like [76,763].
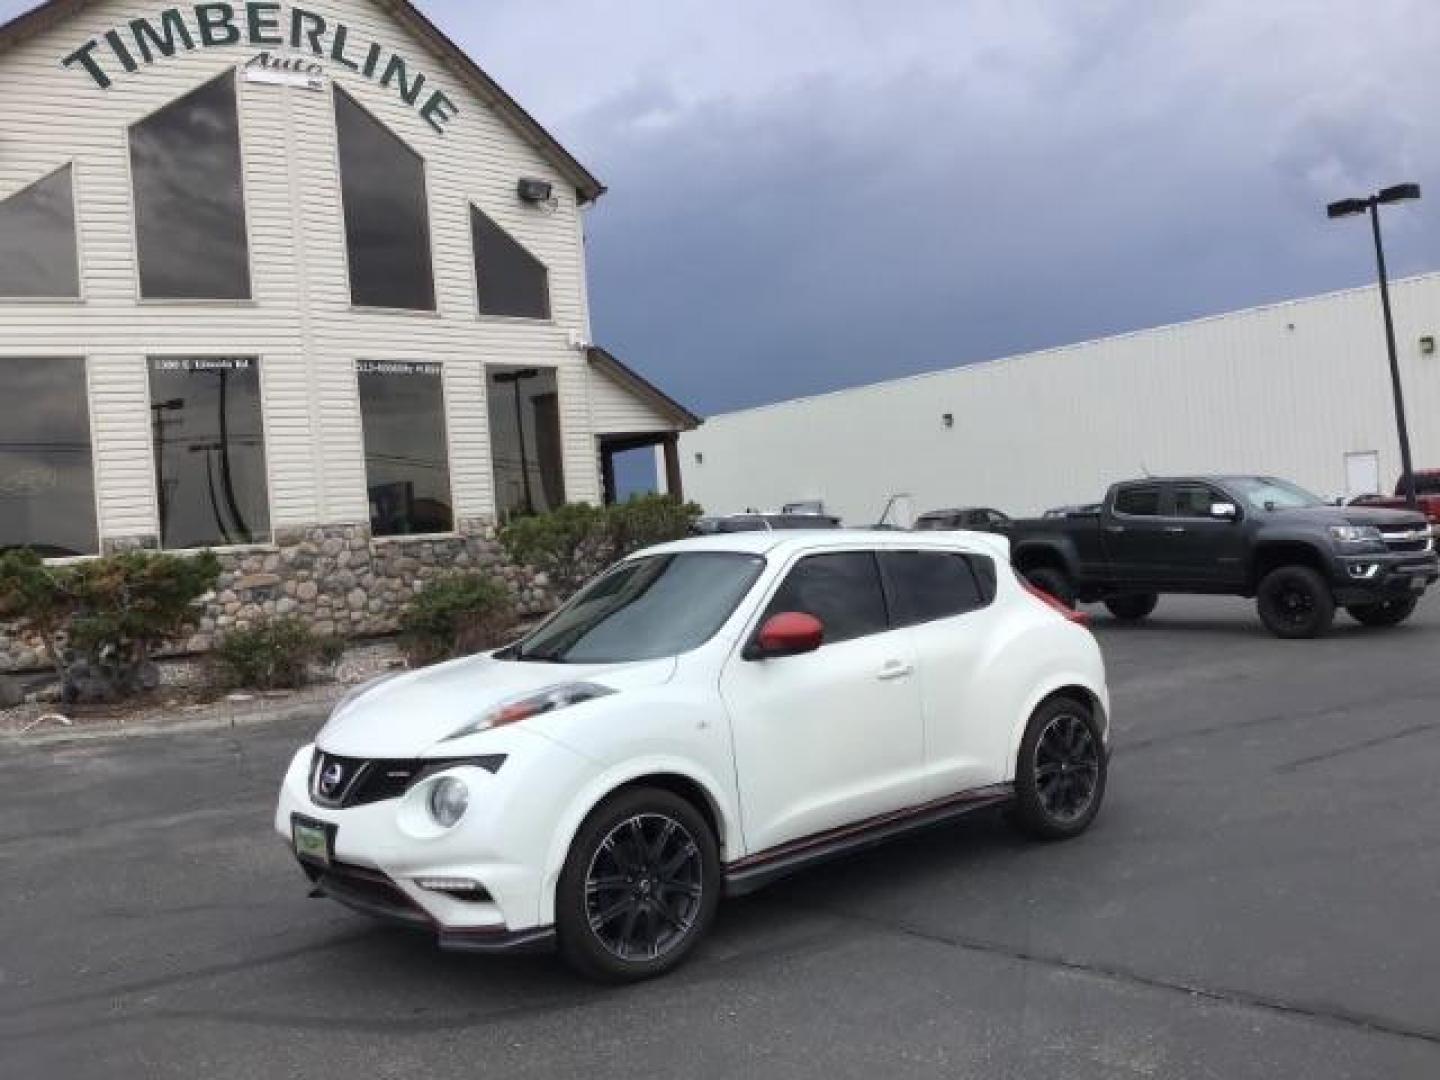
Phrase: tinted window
[387,221]
[926,585]
[508,279]
[37,240]
[663,605]
[1138,502]
[189,207]
[842,590]
[47,484]
[407,465]
[209,445]
[1195,500]
[525,440]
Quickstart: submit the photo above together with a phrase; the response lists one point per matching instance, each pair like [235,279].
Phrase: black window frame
[338,92]
[445,441]
[477,267]
[67,167]
[83,364]
[769,609]
[258,537]
[248,295]
[895,604]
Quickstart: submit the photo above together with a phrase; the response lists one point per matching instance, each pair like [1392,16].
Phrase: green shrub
[102,619]
[455,615]
[573,543]
[273,655]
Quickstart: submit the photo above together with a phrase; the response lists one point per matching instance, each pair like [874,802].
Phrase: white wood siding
[614,410]
[1287,390]
[300,322]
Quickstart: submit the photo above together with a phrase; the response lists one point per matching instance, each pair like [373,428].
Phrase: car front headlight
[448,801]
[1356,534]
[548,700]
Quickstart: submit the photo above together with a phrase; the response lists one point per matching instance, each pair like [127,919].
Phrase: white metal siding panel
[1287,389]
[300,323]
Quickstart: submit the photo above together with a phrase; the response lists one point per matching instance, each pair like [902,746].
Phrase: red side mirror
[789,633]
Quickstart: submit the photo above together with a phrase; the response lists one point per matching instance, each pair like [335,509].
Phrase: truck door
[1207,552]
[1136,536]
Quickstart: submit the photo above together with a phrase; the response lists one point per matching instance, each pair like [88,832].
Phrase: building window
[189,203]
[47,480]
[37,240]
[407,463]
[525,444]
[387,222]
[508,279]
[209,443]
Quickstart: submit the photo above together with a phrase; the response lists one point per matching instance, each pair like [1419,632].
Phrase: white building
[279,274]
[1298,389]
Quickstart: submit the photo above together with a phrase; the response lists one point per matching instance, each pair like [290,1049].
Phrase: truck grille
[1407,538]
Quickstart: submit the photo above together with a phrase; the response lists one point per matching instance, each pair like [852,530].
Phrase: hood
[405,716]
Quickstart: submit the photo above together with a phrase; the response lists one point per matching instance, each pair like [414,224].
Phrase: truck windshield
[643,609]
[1267,493]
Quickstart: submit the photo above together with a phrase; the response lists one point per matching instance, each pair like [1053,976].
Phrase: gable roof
[643,388]
[587,187]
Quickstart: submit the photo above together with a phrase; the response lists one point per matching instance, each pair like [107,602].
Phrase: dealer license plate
[312,842]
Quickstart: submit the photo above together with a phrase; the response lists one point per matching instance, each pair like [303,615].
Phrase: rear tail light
[1077,617]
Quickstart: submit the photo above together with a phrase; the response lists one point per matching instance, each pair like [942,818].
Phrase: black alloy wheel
[1061,772]
[639,888]
[1295,602]
[1390,612]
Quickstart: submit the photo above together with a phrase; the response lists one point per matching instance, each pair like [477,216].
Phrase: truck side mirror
[1225,511]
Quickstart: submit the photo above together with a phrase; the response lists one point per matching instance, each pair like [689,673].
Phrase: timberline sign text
[262,25]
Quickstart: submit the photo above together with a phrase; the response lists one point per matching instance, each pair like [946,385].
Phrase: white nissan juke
[702,718]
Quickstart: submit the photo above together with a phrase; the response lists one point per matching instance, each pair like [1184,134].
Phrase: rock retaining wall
[337,578]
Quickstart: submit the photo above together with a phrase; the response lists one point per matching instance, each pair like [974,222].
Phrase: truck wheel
[1060,771]
[1132,606]
[1055,583]
[1295,602]
[1384,613]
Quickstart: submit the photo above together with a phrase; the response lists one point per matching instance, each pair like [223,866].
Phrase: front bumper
[379,852]
[1368,579]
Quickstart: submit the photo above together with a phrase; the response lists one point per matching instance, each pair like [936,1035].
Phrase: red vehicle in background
[1427,496]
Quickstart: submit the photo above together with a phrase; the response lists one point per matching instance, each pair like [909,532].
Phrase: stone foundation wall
[338,578]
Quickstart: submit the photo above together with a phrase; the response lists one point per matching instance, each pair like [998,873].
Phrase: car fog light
[463,888]
[1364,571]
[448,800]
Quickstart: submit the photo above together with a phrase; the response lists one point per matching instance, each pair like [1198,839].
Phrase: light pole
[1372,204]
[516,377]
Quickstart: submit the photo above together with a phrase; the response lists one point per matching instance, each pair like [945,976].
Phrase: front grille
[338,782]
[1406,540]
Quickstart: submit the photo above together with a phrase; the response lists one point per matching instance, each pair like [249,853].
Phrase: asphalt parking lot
[1258,899]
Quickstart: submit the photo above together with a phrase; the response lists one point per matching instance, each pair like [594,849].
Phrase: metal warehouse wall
[1287,389]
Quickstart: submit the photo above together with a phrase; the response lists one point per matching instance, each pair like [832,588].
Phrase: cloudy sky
[809,194]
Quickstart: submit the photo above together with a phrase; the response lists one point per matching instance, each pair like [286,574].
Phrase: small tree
[573,543]
[454,616]
[101,620]
[273,655]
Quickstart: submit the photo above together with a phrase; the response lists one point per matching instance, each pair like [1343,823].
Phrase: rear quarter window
[927,585]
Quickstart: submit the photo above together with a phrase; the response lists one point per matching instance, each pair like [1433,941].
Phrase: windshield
[662,605]
[1267,493]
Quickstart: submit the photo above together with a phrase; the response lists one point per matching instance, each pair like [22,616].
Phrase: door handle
[1174,528]
[1114,528]
[895,669]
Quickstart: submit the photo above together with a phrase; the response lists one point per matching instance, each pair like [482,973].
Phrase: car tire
[639,887]
[1132,606]
[1385,612]
[1295,602]
[1060,772]
[1053,582]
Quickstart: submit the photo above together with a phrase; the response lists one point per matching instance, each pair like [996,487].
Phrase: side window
[509,280]
[983,567]
[842,590]
[37,240]
[928,585]
[407,459]
[1194,500]
[1138,501]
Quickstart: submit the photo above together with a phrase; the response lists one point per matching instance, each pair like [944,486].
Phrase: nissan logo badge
[330,779]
